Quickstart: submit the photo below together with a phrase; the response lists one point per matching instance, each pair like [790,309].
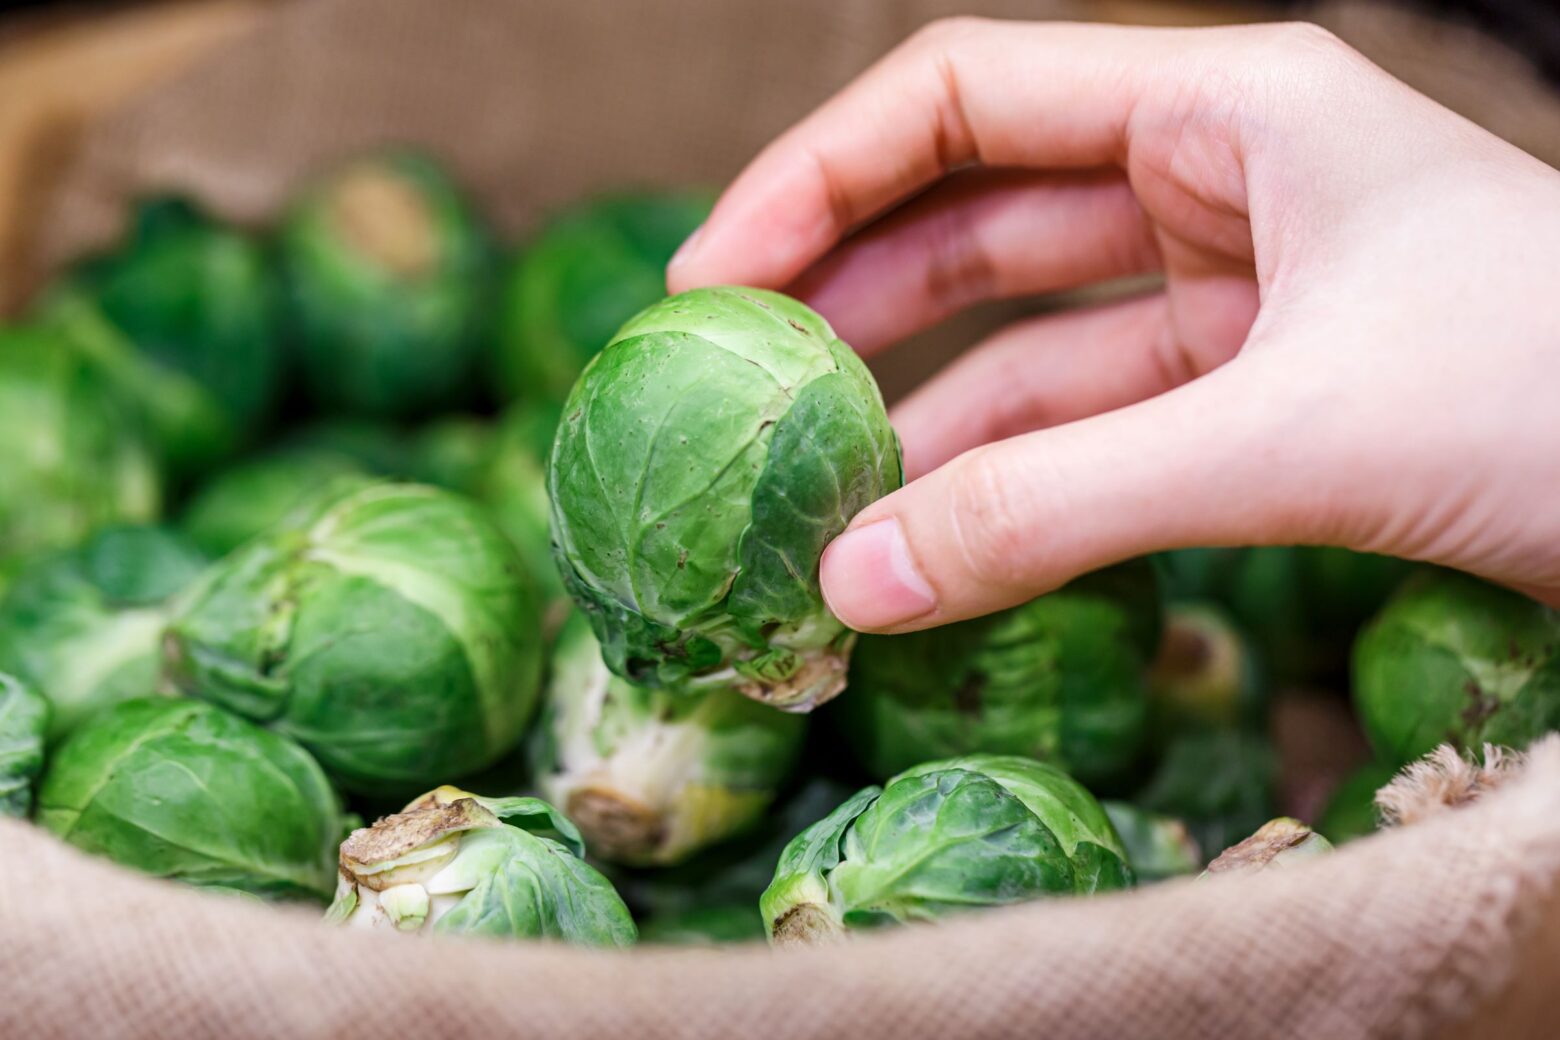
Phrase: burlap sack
[1452,925]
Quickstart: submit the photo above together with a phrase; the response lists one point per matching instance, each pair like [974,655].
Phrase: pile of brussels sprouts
[365,517]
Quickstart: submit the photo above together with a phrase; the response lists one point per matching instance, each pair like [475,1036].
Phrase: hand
[1357,342]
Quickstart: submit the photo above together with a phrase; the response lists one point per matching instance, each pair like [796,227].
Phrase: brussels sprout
[71,460]
[1158,847]
[1207,673]
[1453,659]
[652,776]
[705,926]
[200,304]
[180,789]
[1281,843]
[245,500]
[1301,604]
[388,271]
[183,420]
[454,863]
[705,459]
[982,830]
[388,628]
[1351,811]
[1220,783]
[1059,678]
[24,716]
[84,625]
[591,269]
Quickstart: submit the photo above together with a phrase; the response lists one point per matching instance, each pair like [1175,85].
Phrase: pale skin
[1357,344]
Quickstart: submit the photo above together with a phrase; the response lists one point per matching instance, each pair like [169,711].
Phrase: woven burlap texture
[535,103]
[1392,936]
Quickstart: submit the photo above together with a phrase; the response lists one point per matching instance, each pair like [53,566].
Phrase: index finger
[958,92]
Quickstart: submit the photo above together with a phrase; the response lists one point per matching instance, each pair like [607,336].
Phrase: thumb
[1205,464]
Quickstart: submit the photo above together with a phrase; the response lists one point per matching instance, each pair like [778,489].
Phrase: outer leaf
[943,841]
[182,790]
[539,889]
[801,876]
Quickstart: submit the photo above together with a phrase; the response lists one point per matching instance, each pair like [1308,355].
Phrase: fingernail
[870,580]
[684,251]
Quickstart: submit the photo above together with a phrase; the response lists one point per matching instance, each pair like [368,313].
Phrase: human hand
[1357,342]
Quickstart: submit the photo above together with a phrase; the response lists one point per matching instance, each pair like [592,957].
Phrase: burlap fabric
[1451,925]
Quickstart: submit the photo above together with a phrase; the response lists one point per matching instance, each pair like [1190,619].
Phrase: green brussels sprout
[388,271]
[245,500]
[653,776]
[454,863]
[1158,847]
[705,459]
[71,460]
[1207,673]
[514,489]
[84,625]
[180,789]
[389,628]
[1220,783]
[1060,678]
[982,830]
[1301,604]
[593,267]
[200,304]
[1351,811]
[24,716]
[714,925]
[1452,659]
[183,420]
[1277,844]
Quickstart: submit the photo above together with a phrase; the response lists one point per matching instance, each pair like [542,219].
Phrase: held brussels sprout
[1351,811]
[245,500]
[1453,659]
[1059,678]
[1301,604]
[71,460]
[652,776]
[24,715]
[389,628]
[180,789]
[387,272]
[1158,847]
[84,625]
[1220,783]
[1206,675]
[1277,844]
[199,302]
[982,830]
[591,269]
[454,863]
[705,459]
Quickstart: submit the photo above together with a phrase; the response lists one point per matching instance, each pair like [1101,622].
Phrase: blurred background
[73,74]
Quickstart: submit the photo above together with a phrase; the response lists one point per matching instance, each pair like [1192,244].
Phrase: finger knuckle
[1302,44]
[994,533]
